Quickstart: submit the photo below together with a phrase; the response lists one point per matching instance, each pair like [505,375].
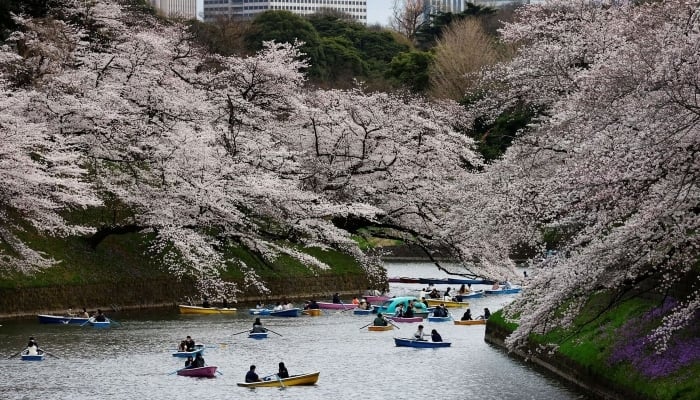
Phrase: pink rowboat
[201,372]
[404,319]
[336,306]
[376,299]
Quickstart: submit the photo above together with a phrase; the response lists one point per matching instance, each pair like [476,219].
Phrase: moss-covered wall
[15,302]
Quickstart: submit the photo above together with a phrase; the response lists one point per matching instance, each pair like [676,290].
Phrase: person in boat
[336,298]
[182,346]
[409,311]
[379,320]
[467,315]
[205,303]
[355,301]
[32,347]
[85,313]
[462,289]
[419,335]
[495,286]
[434,294]
[259,305]
[188,362]
[507,285]
[313,305]
[278,307]
[100,317]
[398,312]
[258,326]
[439,311]
[282,372]
[198,361]
[224,303]
[189,344]
[435,336]
[446,296]
[425,302]
[251,376]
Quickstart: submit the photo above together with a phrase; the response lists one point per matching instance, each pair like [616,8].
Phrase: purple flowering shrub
[636,346]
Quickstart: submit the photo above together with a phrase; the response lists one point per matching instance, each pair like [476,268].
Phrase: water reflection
[134,360]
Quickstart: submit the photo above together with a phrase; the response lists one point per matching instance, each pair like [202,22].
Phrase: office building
[177,8]
[247,9]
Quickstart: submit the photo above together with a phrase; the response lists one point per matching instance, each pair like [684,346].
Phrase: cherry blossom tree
[612,163]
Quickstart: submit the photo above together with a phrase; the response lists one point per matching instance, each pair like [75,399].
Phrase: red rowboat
[201,372]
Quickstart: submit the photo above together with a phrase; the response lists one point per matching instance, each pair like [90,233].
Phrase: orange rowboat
[379,328]
[471,322]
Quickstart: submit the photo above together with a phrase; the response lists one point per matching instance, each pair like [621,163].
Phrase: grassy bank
[607,346]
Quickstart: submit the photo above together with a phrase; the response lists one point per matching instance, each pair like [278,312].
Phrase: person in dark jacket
[100,317]
[379,321]
[188,362]
[409,311]
[251,376]
[336,298]
[198,361]
[282,373]
[467,315]
[435,336]
[258,326]
[189,344]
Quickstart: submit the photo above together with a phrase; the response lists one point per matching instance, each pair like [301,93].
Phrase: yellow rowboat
[205,310]
[294,380]
[447,303]
[374,328]
[471,322]
[314,312]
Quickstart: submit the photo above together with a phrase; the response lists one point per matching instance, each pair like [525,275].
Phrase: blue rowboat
[471,295]
[257,335]
[59,319]
[292,312]
[439,319]
[198,348]
[259,311]
[423,344]
[39,356]
[503,291]
[359,311]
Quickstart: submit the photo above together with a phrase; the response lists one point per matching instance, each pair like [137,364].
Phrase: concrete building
[247,9]
[177,8]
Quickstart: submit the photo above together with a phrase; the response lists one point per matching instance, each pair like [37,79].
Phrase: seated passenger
[379,320]
[435,336]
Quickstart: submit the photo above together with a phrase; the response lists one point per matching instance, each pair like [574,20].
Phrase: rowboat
[439,319]
[406,320]
[290,312]
[470,295]
[459,281]
[446,303]
[58,319]
[314,312]
[471,322]
[259,311]
[205,310]
[376,299]
[257,335]
[39,356]
[200,372]
[503,291]
[198,348]
[294,380]
[433,281]
[374,328]
[360,311]
[336,306]
[406,342]
[99,324]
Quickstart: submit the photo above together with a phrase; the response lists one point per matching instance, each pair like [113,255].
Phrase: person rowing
[258,326]
[379,320]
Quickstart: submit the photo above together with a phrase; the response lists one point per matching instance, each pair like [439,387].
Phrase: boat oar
[392,324]
[238,333]
[367,325]
[270,330]
[51,354]
[16,354]
[85,323]
[280,381]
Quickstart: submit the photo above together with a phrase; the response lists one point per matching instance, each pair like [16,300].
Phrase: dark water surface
[134,361]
